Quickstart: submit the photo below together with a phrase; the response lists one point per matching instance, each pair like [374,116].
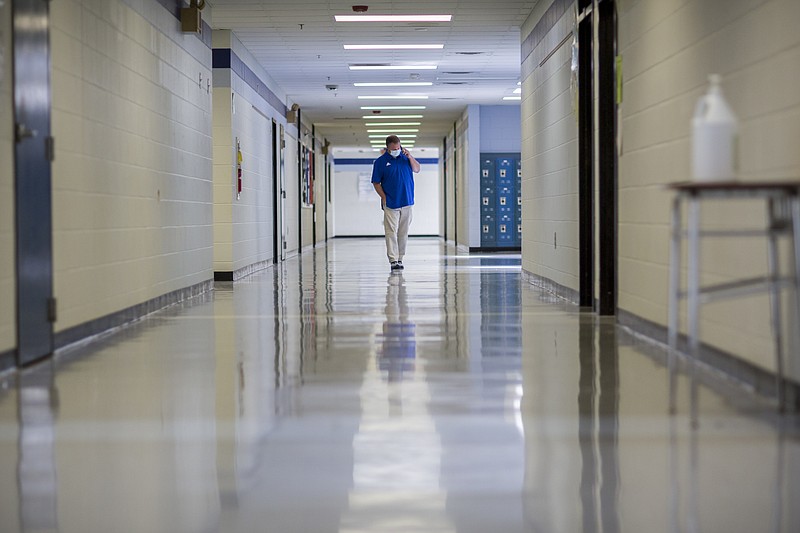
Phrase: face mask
[394,153]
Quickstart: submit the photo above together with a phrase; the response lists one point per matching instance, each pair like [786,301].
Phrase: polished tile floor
[329,395]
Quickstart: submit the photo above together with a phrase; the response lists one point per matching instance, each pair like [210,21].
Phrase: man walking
[393,181]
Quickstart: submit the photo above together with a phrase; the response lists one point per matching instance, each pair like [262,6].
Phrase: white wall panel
[356,205]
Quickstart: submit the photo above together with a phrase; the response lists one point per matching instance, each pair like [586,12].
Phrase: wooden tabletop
[789,185]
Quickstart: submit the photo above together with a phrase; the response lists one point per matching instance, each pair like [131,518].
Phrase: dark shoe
[400,265]
[396,265]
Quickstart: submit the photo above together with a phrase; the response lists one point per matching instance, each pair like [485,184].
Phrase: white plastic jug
[714,136]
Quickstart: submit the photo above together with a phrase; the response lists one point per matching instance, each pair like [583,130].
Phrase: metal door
[282,196]
[33,155]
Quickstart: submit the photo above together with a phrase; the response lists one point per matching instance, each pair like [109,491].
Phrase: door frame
[585,155]
[607,156]
[33,156]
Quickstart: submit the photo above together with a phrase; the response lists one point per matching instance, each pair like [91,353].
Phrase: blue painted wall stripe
[227,58]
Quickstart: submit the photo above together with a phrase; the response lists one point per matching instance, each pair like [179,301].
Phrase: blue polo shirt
[396,178]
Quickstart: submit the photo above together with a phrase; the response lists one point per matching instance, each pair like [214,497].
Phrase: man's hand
[414,163]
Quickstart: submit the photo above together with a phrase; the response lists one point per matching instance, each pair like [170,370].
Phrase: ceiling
[302,48]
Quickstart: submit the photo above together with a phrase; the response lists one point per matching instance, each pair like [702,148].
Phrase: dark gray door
[33,155]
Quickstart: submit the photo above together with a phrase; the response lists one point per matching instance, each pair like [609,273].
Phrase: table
[783,210]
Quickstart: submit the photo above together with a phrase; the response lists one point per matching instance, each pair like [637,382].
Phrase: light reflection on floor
[328,394]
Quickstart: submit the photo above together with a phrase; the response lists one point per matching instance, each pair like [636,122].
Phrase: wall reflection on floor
[38,486]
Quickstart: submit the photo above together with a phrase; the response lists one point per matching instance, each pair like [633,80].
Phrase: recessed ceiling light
[368,108]
[369,125]
[392,67]
[390,117]
[393,46]
[401,135]
[395,97]
[382,130]
[512,98]
[395,84]
[393,18]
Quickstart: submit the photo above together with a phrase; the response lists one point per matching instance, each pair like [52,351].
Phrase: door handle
[23,132]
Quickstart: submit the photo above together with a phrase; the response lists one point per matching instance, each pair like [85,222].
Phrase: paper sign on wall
[365,189]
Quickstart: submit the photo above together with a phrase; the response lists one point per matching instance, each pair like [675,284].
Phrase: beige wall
[668,49]
[549,159]
[132,172]
[447,190]
[8,325]
[292,190]
[462,177]
[320,191]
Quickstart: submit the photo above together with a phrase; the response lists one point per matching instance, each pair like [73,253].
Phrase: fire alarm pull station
[238,169]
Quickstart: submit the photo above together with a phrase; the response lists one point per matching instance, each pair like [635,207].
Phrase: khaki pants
[395,224]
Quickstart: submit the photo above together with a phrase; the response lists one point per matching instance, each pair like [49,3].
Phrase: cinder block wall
[668,50]
[549,157]
[132,173]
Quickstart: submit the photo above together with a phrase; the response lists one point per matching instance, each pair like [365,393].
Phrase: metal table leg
[775,301]
[795,204]
[674,299]
[693,300]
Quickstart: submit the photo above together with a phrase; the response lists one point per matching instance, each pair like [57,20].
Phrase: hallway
[328,395]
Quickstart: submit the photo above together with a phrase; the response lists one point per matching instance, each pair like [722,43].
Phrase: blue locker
[506,201]
[488,203]
[519,203]
[500,201]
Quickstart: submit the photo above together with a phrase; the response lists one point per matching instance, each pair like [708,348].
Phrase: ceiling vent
[469,53]
[459,73]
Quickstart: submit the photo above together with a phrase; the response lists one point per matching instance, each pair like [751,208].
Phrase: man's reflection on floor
[398,348]
[37,410]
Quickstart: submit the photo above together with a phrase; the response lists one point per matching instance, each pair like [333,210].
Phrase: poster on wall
[365,189]
[308,177]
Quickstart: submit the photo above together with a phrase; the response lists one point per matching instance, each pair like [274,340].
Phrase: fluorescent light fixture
[517,91]
[413,130]
[392,67]
[392,18]
[393,46]
[401,135]
[395,97]
[390,117]
[512,98]
[392,124]
[376,107]
[395,84]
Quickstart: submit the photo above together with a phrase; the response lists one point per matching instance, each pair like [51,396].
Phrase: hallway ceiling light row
[393,18]
[372,124]
[395,97]
[474,49]
[382,107]
[383,117]
[392,67]
[394,84]
[393,47]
